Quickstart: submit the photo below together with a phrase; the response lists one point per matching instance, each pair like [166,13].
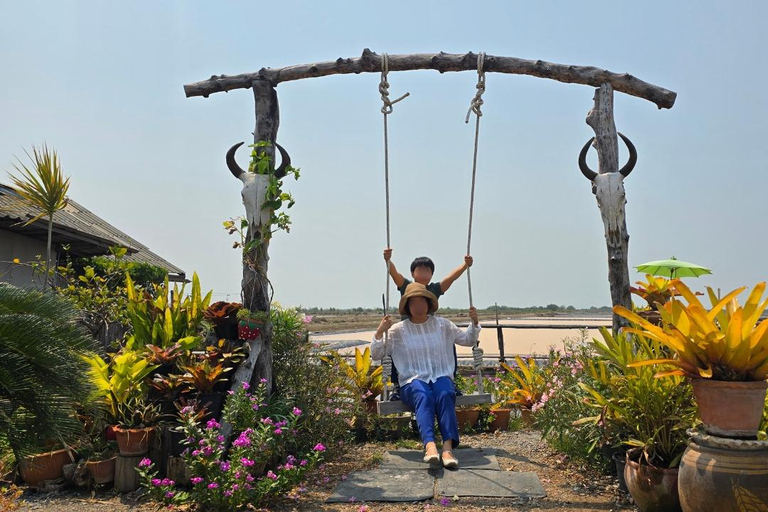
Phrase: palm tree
[45,187]
[42,375]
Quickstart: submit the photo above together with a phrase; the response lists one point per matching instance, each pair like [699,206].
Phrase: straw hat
[417,290]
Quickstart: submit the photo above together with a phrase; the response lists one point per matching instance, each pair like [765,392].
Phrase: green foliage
[634,407]
[169,318]
[315,387]
[276,198]
[523,385]
[362,381]
[42,374]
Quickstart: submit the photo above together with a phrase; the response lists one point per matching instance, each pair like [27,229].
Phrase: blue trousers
[428,400]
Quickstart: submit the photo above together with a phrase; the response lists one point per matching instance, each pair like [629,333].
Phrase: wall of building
[25,249]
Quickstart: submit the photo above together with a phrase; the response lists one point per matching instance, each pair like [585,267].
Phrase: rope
[387,109]
[475,106]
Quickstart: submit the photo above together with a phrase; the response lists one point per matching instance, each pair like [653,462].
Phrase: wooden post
[126,477]
[609,190]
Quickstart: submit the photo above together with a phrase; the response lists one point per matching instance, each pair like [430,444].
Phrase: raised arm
[455,274]
[397,277]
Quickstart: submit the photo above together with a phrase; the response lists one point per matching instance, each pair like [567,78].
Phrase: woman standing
[422,350]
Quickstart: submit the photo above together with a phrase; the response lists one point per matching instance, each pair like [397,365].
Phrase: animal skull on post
[609,190]
[254,191]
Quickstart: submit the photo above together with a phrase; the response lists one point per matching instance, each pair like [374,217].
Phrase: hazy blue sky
[102,83]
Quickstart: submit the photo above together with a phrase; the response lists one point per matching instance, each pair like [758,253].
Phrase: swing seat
[397,406]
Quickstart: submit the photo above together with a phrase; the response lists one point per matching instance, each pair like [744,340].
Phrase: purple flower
[319,447]
[224,466]
[445,502]
[145,462]
[242,440]
[263,381]
[267,421]
[169,494]
[278,431]
[248,478]
[207,451]
[156,482]
[246,385]
[271,475]
[303,462]
[247,462]
[196,479]
[168,482]
[213,485]
[235,487]
[296,411]
[212,423]
[227,493]
[195,453]
[255,407]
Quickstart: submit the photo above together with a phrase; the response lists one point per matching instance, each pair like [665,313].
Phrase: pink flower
[445,502]
[337,411]
[271,475]
[246,462]
[303,462]
[196,479]
[278,431]
[145,462]
[263,381]
[224,466]
[212,423]
[319,447]
[296,411]
[227,493]
[156,482]
[213,485]
[169,494]
[307,319]
[248,478]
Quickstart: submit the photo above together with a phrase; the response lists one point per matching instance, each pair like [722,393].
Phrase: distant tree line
[502,310]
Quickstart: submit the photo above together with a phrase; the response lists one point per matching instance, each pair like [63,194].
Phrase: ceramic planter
[501,420]
[730,409]
[134,441]
[653,489]
[102,471]
[44,466]
[467,419]
[719,474]
[249,329]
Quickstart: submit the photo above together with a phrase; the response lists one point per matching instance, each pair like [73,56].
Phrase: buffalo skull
[609,190]
[254,191]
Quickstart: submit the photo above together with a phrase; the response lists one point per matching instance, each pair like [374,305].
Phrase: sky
[102,83]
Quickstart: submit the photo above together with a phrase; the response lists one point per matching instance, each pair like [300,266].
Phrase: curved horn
[632,156]
[284,163]
[235,169]
[585,170]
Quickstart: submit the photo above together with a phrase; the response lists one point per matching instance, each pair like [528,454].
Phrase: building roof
[84,232]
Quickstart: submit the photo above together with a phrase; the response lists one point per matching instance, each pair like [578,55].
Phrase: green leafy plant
[44,186]
[522,386]
[364,383]
[723,343]
[202,376]
[42,375]
[121,380]
[169,318]
[219,312]
[137,412]
[634,407]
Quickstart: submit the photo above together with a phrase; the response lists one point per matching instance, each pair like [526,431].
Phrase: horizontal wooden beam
[370,62]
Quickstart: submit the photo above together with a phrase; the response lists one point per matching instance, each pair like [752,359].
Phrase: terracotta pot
[134,441]
[102,471]
[501,420]
[653,489]
[730,409]
[718,474]
[44,466]
[109,433]
[467,419]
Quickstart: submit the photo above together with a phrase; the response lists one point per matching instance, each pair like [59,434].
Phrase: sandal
[449,461]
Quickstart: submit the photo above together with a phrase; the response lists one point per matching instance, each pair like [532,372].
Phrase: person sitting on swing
[422,270]
[422,348]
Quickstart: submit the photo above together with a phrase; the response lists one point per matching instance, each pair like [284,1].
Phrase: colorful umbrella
[673,268]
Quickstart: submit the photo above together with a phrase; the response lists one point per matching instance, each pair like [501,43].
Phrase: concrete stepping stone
[386,484]
[503,484]
[469,458]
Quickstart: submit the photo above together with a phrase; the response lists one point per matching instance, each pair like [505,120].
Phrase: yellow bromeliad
[723,343]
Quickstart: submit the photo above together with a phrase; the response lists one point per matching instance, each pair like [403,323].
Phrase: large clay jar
[730,409]
[44,466]
[723,475]
[653,489]
[500,420]
[134,441]
[467,419]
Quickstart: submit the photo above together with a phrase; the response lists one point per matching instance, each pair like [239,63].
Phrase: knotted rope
[386,109]
[475,106]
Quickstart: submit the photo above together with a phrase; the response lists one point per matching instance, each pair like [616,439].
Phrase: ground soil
[569,486]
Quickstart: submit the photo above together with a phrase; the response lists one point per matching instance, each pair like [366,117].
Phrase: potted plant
[648,415]
[722,351]
[467,416]
[43,466]
[223,316]
[136,425]
[100,456]
[522,387]
[363,382]
[202,377]
[164,358]
[656,291]
[250,323]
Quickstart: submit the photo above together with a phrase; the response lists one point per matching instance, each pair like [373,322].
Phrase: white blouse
[424,351]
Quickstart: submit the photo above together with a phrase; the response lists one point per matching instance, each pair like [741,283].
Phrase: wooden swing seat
[397,406]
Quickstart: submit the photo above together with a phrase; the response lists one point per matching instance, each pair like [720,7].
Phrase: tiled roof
[86,232]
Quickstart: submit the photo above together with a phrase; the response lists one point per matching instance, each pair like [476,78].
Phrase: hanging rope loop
[477,102]
[384,87]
